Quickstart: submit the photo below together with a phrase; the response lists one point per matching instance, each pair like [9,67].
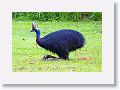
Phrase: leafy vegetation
[58,16]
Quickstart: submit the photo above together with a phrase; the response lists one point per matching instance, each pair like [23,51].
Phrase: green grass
[27,58]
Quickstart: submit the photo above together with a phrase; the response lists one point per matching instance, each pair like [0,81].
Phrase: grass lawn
[27,58]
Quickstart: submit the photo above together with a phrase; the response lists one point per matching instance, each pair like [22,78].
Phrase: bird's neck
[38,35]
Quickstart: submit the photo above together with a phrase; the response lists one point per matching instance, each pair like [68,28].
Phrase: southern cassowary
[60,42]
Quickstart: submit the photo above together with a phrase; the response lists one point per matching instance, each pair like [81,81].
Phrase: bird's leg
[36,45]
[65,57]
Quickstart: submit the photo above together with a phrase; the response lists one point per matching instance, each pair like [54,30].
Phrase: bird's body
[61,42]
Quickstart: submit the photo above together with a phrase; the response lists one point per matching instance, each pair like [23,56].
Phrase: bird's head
[34,27]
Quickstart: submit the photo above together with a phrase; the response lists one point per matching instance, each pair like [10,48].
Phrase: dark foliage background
[58,16]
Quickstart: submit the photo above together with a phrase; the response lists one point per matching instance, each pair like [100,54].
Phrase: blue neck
[37,34]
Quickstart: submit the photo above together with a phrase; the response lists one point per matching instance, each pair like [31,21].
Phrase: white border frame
[104,77]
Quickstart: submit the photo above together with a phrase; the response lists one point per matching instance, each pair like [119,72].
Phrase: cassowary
[60,42]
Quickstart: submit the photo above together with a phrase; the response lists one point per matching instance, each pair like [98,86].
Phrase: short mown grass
[27,58]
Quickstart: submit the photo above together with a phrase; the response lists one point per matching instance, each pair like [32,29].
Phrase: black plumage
[60,42]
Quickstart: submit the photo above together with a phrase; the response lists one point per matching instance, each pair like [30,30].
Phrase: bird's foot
[50,58]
